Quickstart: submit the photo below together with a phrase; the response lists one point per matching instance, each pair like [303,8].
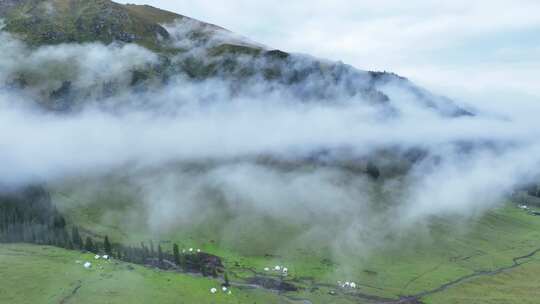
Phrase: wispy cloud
[435,43]
[266,153]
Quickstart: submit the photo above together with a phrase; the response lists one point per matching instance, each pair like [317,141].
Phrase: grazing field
[519,285]
[41,274]
[444,261]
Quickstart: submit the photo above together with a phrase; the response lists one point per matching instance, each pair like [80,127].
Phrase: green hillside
[40,274]
[493,262]
[419,264]
[41,22]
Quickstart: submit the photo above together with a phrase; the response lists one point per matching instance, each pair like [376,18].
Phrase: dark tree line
[28,216]
[200,262]
[534,190]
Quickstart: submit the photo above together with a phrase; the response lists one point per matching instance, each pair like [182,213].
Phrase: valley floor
[42,274]
[496,260]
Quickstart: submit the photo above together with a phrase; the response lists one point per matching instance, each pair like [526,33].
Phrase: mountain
[41,22]
[181,149]
[65,21]
[187,47]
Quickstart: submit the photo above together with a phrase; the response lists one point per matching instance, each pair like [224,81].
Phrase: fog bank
[262,153]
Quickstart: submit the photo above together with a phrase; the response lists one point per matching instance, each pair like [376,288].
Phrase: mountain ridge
[186,46]
[40,22]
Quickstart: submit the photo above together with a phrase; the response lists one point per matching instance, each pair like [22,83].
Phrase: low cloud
[461,48]
[195,150]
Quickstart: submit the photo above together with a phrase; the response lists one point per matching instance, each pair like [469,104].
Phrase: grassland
[40,274]
[417,264]
[492,258]
[517,286]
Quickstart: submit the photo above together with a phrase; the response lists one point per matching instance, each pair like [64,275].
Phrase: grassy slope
[423,261]
[40,22]
[491,242]
[516,286]
[61,21]
[39,274]
[152,14]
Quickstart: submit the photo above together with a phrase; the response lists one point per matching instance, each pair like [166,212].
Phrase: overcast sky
[481,49]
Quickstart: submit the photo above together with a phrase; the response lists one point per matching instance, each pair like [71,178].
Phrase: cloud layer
[266,154]
[463,49]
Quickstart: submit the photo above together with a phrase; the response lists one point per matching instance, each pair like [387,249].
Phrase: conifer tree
[176,254]
[160,256]
[152,253]
[89,245]
[76,238]
[107,246]
[226,278]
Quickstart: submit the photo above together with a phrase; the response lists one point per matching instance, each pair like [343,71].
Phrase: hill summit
[41,22]
[184,47]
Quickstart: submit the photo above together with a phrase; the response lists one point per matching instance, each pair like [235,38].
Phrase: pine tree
[160,256]
[176,254]
[76,238]
[107,246]
[226,278]
[89,245]
[66,242]
[152,253]
[145,253]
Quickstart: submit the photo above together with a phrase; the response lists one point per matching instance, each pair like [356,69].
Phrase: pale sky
[484,50]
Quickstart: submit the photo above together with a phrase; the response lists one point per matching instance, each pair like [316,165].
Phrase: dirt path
[65,299]
[421,276]
[516,262]
[412,299]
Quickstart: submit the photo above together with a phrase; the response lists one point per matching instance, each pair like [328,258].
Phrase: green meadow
[419,263]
